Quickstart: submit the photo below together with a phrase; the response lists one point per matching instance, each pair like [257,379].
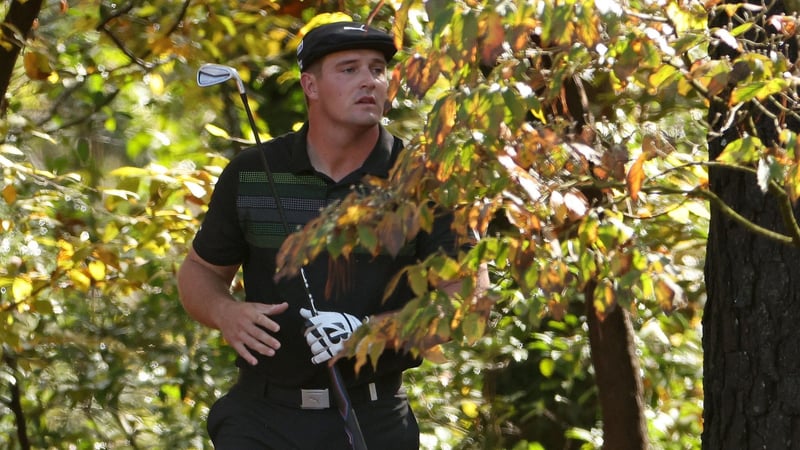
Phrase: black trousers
[245,419]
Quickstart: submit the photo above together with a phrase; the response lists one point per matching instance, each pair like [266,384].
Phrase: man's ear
[309,83]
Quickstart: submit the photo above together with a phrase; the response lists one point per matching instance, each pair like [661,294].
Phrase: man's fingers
[242,350]
[248,329]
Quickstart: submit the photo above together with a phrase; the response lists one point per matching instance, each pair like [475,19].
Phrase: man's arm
[204,290]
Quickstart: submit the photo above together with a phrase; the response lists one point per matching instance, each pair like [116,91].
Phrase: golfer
[282,399]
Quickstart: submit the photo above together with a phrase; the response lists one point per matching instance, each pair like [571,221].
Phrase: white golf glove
[327,332]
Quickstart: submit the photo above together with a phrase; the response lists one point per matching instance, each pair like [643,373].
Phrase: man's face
[352,87]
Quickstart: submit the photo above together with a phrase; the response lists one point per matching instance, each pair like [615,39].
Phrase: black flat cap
[339,36]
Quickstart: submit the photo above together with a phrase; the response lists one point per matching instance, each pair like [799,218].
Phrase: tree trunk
[751,323]
[16,26]
[616,369]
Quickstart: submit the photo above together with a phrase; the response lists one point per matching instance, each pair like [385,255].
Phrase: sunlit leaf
[635,177]
[21,289]
[758,90]
[9,193]
[216,131]
[493,38]
[547,367]
[741,151]
[97,270]
[80,279]
[37,65]
[444,120]
[470,409]
[421,73]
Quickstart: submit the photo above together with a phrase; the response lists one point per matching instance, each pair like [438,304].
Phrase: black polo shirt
[243,226]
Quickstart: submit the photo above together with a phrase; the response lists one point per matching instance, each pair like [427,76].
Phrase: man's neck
[338,151]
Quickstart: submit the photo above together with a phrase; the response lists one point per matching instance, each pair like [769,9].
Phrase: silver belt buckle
[314,399]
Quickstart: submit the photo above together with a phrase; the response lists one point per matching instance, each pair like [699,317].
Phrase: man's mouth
[366,100]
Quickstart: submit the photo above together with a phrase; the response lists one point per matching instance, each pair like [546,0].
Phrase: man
[282,399]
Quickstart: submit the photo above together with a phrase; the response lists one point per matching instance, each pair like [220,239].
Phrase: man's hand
[243,326]
[327,332]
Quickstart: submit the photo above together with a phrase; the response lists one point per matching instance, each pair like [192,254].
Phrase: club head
[213,74]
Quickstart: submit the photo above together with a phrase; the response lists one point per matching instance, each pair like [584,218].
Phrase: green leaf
[758,90]
[741,151]
[418,280]
[547,367]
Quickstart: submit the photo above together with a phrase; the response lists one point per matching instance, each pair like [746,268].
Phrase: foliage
[568,135]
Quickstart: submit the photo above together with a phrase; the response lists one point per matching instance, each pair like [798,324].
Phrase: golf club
[213,74]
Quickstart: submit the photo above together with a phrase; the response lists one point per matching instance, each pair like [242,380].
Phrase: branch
[793,241]
[784,202]
[15,404]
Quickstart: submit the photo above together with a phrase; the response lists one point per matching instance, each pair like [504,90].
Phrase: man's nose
[369,79]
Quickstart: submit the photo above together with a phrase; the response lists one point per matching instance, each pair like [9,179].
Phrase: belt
[319,397]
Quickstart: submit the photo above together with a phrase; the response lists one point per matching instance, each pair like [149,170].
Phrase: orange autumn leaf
[635,177]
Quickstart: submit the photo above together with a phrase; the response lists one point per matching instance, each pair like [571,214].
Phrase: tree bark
[16,26]
[751,323]
[619,386]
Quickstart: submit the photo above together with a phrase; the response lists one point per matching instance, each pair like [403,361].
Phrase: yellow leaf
[110,231]
[97,270]
[216,131]
[21,289]
[547,367]
[79,279]
[470,409]
[156,84]
[10,194]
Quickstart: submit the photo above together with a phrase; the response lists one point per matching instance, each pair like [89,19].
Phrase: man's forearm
[203,292]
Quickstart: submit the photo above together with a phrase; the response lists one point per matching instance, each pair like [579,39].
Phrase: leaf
[417,280]
[79,279]
[547,367]
[726,37]
[444,119]
[216,131]
[421,73]
[668,294]
[37,65]
[97,270]
[10,194]
[474,327]
[741,151]
[577,205]
[763,175]
[367,238]
[493,37]
[21,289]
[635,177]
[470,409]
[758,90]
[390,232]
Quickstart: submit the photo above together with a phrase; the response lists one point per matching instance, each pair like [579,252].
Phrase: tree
[750,321]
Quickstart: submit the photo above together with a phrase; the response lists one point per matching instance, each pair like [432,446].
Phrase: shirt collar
[378,162]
